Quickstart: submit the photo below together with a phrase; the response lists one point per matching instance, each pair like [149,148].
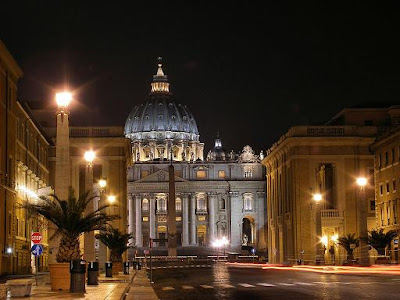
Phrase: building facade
[323,160]
[222,196]
[387,179]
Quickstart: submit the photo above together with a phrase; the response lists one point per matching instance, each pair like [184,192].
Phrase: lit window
[221,174]
[247,202]
[201,174]
[178,204]
[178,219]
[201,204]
[145,205]
[248,172]
[202,218]
[161,204]
[145,219]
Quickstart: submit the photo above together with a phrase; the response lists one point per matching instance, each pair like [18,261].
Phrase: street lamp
[63,99]
[317,197]
[89,244]
[218,243]
[89,156]
[111,199]
[362,219]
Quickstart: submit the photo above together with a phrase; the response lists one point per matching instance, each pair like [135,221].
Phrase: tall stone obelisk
[62,180]
[171,211]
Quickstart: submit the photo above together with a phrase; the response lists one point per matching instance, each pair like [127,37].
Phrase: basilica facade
[220,195]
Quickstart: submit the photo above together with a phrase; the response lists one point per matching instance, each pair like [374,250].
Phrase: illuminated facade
[223,195]
[326,160]
[387,179]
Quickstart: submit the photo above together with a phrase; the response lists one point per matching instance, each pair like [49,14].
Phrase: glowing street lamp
[102,183]
[89,156]
[63,99]
[361,181]
[362,219]
[111,198]
[218,243]
[317,197]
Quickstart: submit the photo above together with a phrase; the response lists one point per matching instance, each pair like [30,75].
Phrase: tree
[116,241]
[347,242]
[379,239]
[70,221]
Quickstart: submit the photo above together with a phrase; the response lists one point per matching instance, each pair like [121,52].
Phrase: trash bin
[77,270]
[93,273]
[126,268]
[109,269]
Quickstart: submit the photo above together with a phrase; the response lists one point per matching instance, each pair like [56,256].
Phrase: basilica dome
[161,128]
[160,117]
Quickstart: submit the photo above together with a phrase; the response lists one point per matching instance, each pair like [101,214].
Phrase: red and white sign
[36,237]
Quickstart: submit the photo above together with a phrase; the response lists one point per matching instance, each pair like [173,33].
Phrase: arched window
[178,204]
[161,204]
[248,202]
[145,205]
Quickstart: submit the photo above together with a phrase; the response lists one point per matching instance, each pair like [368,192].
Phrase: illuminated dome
[160,120]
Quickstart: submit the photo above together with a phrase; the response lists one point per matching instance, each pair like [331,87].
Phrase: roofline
[10,61]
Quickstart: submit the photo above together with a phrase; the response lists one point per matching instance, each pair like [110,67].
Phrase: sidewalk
[140,288]
[113,288]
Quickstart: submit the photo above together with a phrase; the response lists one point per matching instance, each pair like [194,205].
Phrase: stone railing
[96,131]
[331,213]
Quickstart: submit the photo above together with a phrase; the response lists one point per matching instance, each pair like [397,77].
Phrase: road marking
[205,286]
[246,285]
[266,284]
[167,288]
[286,284]
[304,283]
[226,286]
[187,287]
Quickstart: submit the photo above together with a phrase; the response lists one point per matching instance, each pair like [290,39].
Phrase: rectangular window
[394,186]
[394,212]
[380,160]
[202,218]
[386,158]
[248,174]
[221,174]
[372,176]
[393,156]
[178,219]
[201,174]
[381,189]
[372,205]
[145,219]
[387,187]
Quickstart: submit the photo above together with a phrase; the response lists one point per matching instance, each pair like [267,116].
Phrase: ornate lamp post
[362,219]
[320,253]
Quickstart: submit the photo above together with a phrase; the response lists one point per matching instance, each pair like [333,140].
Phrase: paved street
[222,282]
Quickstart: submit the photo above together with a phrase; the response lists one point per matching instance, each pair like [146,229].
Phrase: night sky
[247,71]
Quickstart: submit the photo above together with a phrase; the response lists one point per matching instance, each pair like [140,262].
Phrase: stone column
[138,235]
[193,240]
[211,215]
[89,251]
[62,172]
[152,217]
[185,221]
[236,220]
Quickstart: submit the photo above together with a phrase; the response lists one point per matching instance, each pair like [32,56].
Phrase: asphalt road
[218,281]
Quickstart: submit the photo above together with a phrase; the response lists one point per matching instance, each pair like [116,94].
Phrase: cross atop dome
[160,82]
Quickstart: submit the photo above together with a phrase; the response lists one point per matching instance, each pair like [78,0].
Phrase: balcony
[201,211]
[331,217]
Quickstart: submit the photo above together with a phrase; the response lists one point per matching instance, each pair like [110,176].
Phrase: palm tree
[70,221]
[116,241]
[379,239]
[347,242]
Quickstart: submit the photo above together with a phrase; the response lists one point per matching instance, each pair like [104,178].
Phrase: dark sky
[247,71]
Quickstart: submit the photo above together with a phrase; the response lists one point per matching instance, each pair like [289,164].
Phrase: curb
[126,290]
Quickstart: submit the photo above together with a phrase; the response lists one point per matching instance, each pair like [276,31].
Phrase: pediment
[159,176]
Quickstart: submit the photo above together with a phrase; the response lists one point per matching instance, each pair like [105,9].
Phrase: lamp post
[362,219]
[102,248]
[89,244]
[62,164]
[218,243]
[320,253]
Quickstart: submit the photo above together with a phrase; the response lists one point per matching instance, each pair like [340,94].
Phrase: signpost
[36,250]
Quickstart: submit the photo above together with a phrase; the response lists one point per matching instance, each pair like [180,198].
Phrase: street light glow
[220,242]
[324,240]
[63,99]
[334,238]
[362,181]
[89,156]
[317,197]
[111,198]
[102,183]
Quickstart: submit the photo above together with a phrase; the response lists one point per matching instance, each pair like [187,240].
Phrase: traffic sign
[36,237]
[37,249]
